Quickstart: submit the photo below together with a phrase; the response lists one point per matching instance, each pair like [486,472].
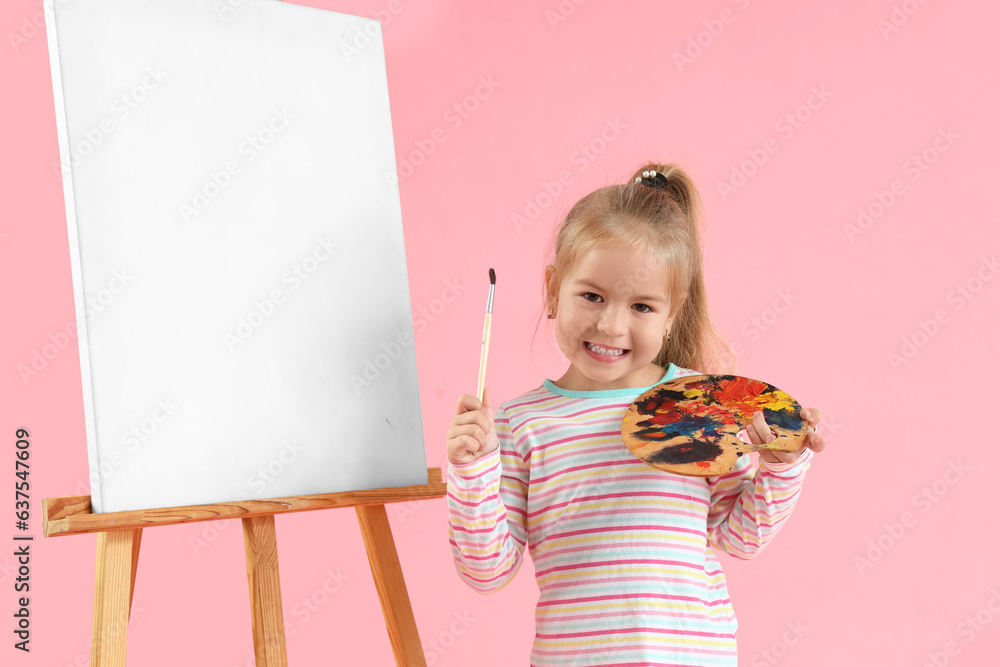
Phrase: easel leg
[261,545]
[114,583]
[390,585]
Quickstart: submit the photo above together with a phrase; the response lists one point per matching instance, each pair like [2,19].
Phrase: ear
[551,293]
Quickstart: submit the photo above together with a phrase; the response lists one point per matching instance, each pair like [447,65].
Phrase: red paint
[737,390]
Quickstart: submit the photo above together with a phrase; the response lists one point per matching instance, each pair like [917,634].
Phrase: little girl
[622,551]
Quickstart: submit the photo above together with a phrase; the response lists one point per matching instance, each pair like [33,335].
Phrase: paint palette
[688,425]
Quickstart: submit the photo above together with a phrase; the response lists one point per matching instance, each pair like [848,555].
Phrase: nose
[612,321]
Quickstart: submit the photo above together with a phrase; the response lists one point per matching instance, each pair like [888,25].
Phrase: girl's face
[612,311]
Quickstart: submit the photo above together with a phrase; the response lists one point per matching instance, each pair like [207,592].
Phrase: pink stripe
[679,580]
[686,650]
[553,552]
[606,563]
[579,439]
[627,596]
[567,618]
[616,631]
[618,479]
[613,496]
[452,496]
[618,529]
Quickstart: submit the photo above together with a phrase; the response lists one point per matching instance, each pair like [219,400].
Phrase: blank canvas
[237,251]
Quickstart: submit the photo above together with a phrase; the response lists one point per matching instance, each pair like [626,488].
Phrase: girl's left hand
[759,433]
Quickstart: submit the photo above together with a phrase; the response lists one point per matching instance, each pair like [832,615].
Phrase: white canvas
[236,249]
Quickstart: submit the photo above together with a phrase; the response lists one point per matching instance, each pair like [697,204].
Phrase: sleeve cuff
[477,467]
[804,459]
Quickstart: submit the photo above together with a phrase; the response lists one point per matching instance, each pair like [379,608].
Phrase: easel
[118,555]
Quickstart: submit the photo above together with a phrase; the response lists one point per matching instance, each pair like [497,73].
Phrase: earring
[666,337]
[552,315]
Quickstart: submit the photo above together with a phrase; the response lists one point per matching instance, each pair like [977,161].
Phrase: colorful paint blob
[688,425]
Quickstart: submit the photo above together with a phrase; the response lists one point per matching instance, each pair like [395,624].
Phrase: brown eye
[591,297]
[643,308]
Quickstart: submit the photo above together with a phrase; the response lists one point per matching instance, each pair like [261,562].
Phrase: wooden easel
[118,555]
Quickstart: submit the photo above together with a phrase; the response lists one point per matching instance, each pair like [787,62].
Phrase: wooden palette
[688,425]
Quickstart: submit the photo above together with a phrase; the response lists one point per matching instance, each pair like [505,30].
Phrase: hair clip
[653,180]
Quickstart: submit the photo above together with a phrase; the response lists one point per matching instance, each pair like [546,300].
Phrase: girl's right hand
[472,434]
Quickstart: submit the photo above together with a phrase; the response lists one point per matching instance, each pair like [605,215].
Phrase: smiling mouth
[606,351]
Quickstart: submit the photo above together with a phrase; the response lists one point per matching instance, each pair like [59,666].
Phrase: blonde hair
[665,223]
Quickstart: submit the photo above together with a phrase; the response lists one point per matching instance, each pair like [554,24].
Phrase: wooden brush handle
[483,355]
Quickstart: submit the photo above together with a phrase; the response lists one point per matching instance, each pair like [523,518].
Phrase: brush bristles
[493,277]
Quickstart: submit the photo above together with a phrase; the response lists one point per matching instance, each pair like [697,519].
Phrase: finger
[815,442]
[811,415]
[751,431]
[471,444]
[467,402]
[474,430]
[473,417]
[488,406]
[761,433]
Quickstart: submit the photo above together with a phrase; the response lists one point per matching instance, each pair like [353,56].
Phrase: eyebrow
[587,283]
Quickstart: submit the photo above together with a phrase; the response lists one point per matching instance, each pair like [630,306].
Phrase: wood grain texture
[690,425]
[72,515]
[388,576]
[114,583]
[268,625]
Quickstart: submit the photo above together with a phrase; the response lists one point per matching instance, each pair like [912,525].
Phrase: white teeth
[605,351]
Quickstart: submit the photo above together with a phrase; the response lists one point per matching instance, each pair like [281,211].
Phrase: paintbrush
[486,337]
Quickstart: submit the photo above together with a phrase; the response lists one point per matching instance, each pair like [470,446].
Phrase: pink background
[868,571]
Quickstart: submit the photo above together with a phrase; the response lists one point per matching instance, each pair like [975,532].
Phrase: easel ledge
[120,534]
[72,515]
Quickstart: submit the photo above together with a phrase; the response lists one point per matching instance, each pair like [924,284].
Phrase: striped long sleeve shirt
[622,552]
